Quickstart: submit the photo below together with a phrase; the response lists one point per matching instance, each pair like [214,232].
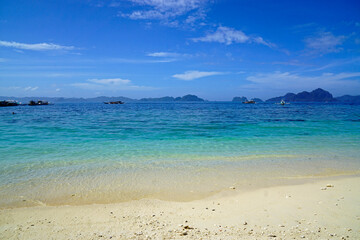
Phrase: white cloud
[31,88]
[35,46]
[168,10]
[337,63]
[110,81]
[191,75]
[324,42]
[229,36]
[152,14]
[139,61]
[260,40]
[170,55]
[57,90]
[111,84]
[163,54]
[286,81]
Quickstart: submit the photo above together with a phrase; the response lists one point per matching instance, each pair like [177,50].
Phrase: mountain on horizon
[317,95]
[244,99]
[186,98]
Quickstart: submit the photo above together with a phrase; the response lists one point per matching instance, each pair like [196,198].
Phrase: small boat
[33,103]
[116,102]
[249,102]
[9,103]
[282,102]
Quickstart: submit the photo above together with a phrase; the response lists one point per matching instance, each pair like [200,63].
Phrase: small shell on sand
[329,185]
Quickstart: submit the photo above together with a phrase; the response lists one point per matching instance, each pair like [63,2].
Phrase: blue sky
[216,49]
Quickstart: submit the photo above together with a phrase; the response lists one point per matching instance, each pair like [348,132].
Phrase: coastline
[309,210]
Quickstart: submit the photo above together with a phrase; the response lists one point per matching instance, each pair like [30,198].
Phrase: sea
[89,153]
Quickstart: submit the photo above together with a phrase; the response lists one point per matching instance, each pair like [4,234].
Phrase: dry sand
[307,211]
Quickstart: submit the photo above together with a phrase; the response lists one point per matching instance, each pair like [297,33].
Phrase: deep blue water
[93,152]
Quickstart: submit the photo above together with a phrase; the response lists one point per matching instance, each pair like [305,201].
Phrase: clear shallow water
[97,153]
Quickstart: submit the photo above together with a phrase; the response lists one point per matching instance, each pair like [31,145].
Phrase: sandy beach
[325,209]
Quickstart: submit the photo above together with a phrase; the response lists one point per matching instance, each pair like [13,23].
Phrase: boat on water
[115,102]
[9,103]
[33,103]
[282,102]
[249,102]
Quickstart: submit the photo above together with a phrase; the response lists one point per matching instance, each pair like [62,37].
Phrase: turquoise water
[97,153]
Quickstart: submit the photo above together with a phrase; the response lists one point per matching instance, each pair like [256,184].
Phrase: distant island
[349,99]
[317,95]
[186,98]
[245,99]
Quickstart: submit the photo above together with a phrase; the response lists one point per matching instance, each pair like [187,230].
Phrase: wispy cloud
[323,43]
[229,36]
[164,54]
[24,89]
[139,61]
[167,11]
[111,84]
[337,63]
[191,75]
[31,88]
[169,55]
[35,46]
[110,81]
[292,63]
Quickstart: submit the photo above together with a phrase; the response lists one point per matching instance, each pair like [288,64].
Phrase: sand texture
[319,210]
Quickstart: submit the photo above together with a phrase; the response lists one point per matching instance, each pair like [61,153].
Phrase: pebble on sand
[188,227]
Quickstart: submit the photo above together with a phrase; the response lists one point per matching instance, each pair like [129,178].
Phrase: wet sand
[318,210]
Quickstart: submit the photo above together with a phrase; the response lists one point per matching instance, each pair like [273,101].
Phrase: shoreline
[190,195]
[319,209]
[178,185]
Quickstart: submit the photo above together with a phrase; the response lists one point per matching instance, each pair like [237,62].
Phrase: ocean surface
[88,153]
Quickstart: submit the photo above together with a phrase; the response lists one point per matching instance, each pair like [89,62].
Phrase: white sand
[284,212]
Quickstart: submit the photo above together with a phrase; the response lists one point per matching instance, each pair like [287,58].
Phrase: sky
[215,49]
